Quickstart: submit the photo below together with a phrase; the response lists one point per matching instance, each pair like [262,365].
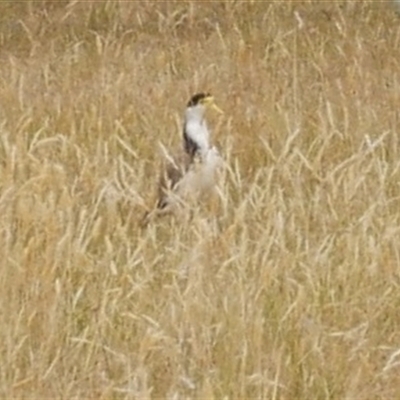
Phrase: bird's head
[199,103]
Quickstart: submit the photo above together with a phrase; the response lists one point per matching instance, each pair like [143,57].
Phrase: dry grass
[291,291]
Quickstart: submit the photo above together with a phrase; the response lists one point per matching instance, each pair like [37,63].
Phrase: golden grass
[290,292]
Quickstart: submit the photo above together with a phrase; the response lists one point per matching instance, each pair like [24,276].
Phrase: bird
[191,173]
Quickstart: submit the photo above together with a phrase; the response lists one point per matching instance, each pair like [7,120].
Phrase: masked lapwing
[191,173]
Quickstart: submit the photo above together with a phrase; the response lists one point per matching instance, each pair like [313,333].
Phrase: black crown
[197,98]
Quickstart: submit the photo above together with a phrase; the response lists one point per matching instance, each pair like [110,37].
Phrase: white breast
[198,133]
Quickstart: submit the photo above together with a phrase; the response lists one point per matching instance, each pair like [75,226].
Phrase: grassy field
[289,290]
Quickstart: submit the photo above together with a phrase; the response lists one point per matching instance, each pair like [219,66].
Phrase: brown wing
[172,173]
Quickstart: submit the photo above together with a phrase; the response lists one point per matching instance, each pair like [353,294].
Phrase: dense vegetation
[288,289]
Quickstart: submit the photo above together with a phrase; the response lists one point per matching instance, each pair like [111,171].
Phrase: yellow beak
[209,102]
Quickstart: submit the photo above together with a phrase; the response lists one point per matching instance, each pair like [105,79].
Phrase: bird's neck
[196,137]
